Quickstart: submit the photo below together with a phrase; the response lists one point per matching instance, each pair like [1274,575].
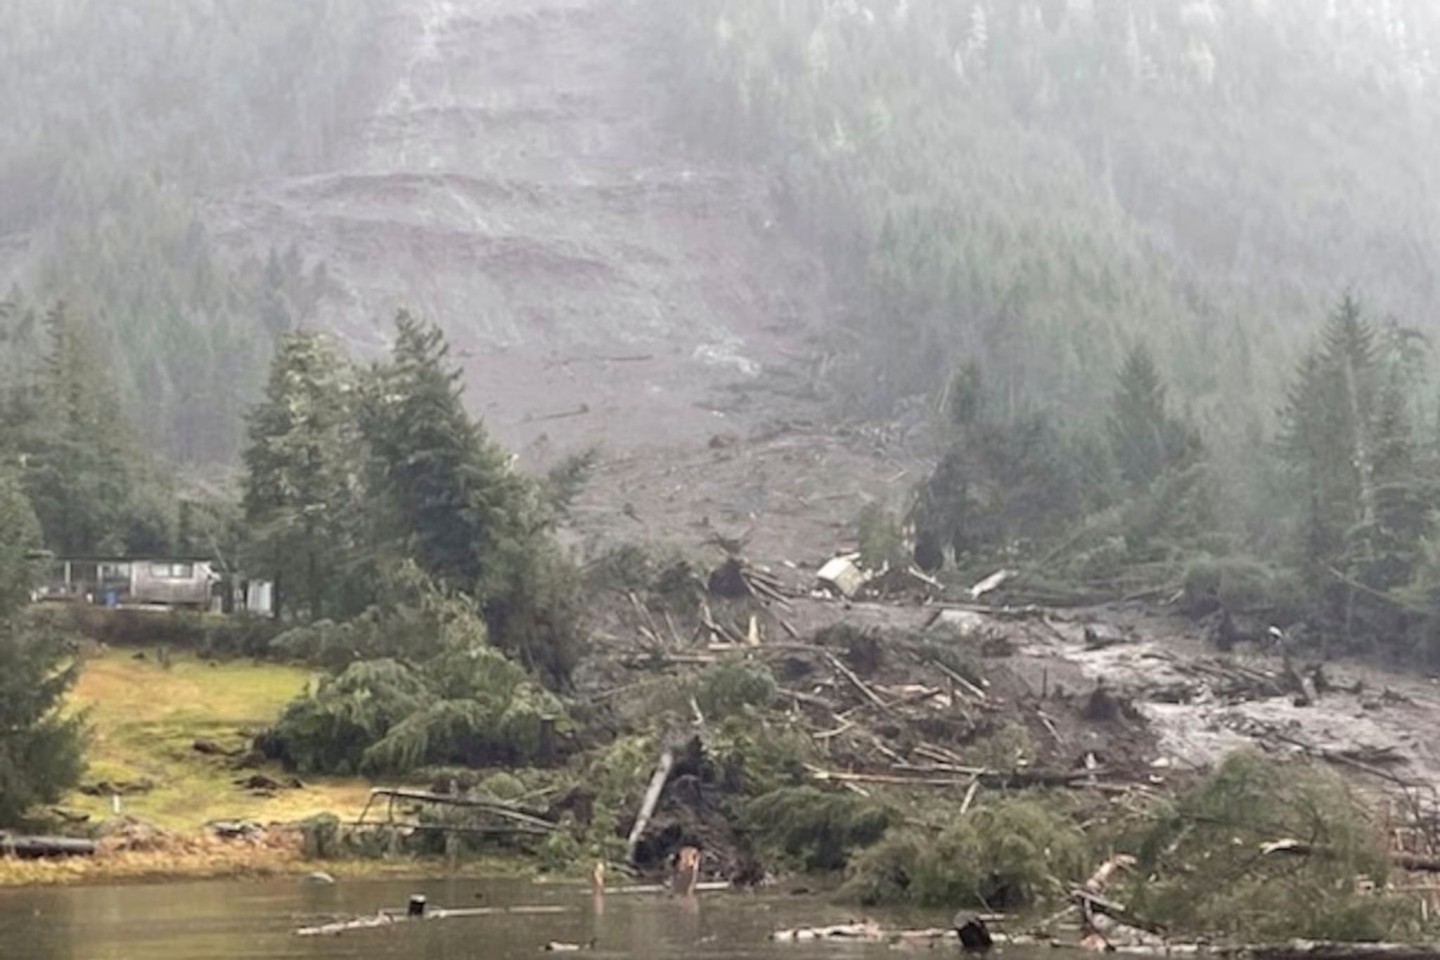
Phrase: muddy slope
[518,183]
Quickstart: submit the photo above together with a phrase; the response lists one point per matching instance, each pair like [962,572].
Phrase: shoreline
[185,859]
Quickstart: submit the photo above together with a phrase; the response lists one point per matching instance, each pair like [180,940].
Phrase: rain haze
[721,477]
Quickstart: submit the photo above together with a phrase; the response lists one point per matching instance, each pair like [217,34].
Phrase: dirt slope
[518,183]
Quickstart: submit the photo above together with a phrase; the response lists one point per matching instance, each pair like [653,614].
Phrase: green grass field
[145,718]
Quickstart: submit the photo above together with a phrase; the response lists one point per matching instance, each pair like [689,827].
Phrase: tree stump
[974,935]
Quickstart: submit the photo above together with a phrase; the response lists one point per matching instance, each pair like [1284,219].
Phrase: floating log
[386,918]
[38,848]
[704,886]
[839,931]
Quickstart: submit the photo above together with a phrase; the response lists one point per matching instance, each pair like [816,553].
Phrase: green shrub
[730,687]
[320,837]
[1006,855]
[1241,585]
[816,829]
[753,756]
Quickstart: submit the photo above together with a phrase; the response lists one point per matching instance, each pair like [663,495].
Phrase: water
[254,920]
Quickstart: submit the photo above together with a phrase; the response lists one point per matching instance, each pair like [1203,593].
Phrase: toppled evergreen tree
[414,682]
[1010,854]
[1262,851]
[39,746]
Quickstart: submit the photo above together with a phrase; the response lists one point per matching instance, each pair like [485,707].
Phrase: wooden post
[647,806]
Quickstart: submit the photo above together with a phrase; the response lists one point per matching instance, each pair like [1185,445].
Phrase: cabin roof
[143,558]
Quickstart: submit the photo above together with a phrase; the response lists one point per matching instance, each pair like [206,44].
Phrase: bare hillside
[518,183]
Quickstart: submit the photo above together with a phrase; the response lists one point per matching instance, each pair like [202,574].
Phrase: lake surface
[254,920]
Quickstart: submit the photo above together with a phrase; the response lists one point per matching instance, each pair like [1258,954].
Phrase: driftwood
[840,931]
[648,804]
[504,811]
[37,848]
[386,918]
[994,779]
[640,889]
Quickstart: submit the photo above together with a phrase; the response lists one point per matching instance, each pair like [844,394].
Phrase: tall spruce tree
[92,487]
[39,745]
[1145,439]
[1327,433]
[302,464]
[441,492]
[445,492]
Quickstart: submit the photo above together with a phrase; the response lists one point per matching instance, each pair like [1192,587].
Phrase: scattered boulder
[258,782]
[123,788]
[235,829]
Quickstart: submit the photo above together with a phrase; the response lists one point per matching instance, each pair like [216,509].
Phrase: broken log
[859,684]
[965,684]
[38,848]
[1419,863]
[389,917]
[839,931]
[648,804]
[1014,779]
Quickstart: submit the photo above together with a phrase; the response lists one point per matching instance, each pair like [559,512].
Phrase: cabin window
[172,571]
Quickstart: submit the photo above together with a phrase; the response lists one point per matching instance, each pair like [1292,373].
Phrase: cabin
[171,582]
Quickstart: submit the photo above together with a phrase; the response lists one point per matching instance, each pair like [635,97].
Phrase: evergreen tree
[1000,481]
[93,489]
[1144,439]
[1327,434]
[302,466]
[441,492]
[39,747]
[444,492]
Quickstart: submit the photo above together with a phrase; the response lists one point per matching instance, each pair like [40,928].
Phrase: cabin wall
[173,583]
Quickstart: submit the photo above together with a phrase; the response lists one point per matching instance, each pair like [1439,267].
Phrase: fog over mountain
[1033,182]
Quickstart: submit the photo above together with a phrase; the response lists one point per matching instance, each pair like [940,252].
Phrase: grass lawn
[145,718]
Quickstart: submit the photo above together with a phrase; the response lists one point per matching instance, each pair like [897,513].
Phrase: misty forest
[538,355]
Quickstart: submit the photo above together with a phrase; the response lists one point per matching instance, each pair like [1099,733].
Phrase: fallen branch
[859,684]
[965,684]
